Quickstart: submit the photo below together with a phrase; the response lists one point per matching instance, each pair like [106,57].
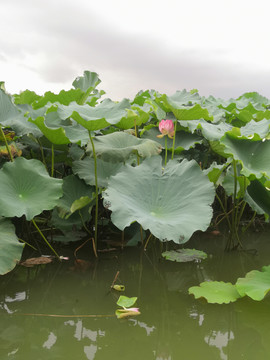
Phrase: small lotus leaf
[217,292]
[119,146]
[256,284]
[184,255]
[119,287]
[27,189]
[10,248]
[125,301]
[172,203]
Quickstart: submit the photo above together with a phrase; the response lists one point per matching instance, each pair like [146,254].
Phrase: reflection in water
[220,340]
[172,325]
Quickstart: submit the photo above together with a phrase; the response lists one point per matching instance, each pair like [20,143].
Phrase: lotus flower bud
[166,127]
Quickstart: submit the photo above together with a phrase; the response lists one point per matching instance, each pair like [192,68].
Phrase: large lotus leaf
[253,155]
[256,98]
[27,189]
[172,203]
[98,117]
[85,169]
[73,189]
[210,131]
[61,131]
[10,248]
[184,255]
[183,139]
[11,116]
[56,136]
[256,284]
[215,292]
[178,100]
[26,97]
[260,195]
[260,128]
[119,146]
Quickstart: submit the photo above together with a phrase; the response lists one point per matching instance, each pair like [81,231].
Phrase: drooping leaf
[119,146]
[27,189]
[215,292]
[260,195]
[10,248]
[184,255]
[172,203]
[74,189]
[256,284]
[125,301]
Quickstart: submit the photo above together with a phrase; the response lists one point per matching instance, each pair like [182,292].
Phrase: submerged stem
[96,185]
[43,237]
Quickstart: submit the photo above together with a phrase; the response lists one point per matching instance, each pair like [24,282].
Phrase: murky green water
[172,324]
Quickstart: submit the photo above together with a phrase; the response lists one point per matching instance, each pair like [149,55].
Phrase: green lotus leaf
[11,116]
[10,248]
[85,169]
[27,189]
[119,146]
[136,115]
[80,203]
[183,139]
[256,284]
[73,189]
[88,81]
[253,155]
[214,172]
[260,195]
[125,301]
[184,255]
[215,292]
[209,130]
[172,203]
[178,100]
[98,117]
[256,98]
[260,128]
[61,131]
[56,136]
[26,97]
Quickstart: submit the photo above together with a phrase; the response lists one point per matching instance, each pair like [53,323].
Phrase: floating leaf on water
[125,301]
[184,255]
[36,261]
[123,313]
[256,284]
[119,287]
[217,292]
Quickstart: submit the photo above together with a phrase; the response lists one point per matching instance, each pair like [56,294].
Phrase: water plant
[88,165]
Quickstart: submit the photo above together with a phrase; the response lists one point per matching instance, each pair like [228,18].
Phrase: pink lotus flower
[166,127]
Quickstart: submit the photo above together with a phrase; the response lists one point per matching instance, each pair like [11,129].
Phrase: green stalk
[52,169]
[43,237]
[42,154]
[5,140]
[166,150]
[175,125]
[96,184]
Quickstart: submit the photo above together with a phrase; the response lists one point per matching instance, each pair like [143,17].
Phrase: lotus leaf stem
[96,185]
[147,241]
[166,150]
[52,169]
[250,223]
[175,125]
[43,237]
[21,240]
[6,143]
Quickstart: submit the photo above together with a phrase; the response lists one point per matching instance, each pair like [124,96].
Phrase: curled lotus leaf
[125,301]
[215,292]
[184,255]
[119,146]
[27,189]
[10,248]
[171,203]
[256,284]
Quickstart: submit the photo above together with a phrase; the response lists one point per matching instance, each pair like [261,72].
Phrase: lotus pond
[98,184]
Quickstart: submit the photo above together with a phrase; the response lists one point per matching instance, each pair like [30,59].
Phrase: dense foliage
[75,165]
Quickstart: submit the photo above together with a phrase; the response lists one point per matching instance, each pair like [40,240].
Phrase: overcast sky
[220,47]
